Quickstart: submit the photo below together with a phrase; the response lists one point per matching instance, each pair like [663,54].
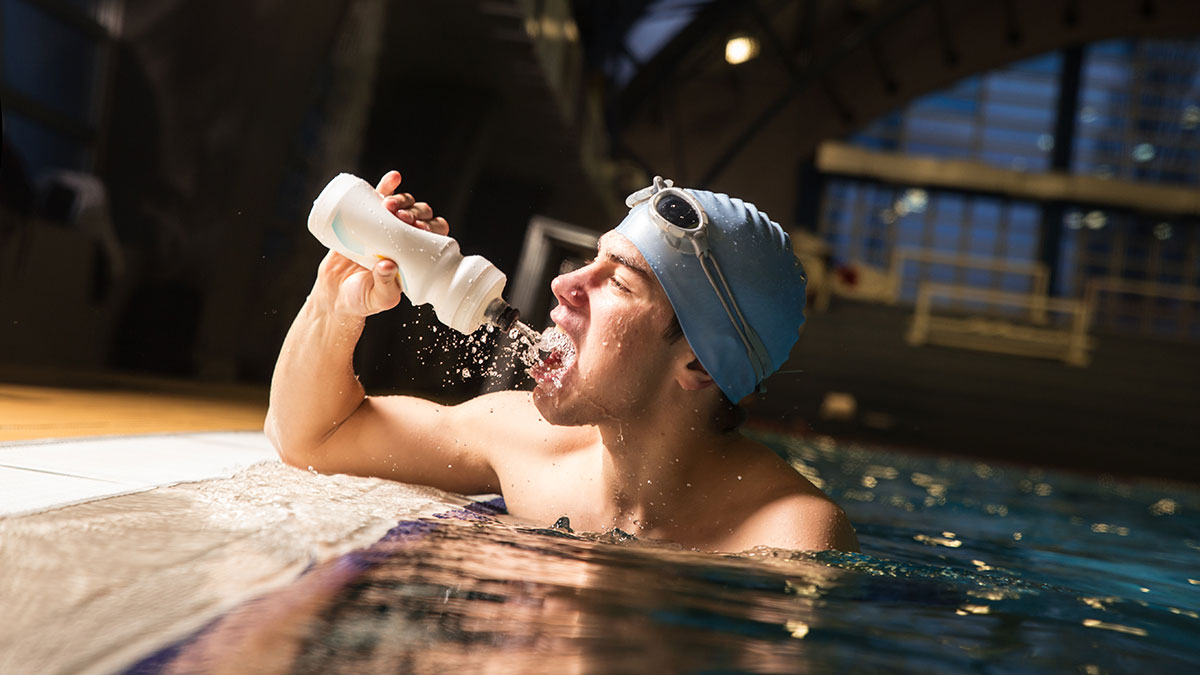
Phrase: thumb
[385,291]
[386,273]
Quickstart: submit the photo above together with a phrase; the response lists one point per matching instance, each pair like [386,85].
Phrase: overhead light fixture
[740,49]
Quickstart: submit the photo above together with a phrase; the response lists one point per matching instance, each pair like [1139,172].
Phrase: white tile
[24,491]
[126,463]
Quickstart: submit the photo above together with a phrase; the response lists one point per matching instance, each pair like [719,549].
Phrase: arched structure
[828,67]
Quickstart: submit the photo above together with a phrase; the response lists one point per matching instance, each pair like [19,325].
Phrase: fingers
[422,211]
[415,213]
[394,203]
[420,215]
[435,225]
[406,208]
[389,183]
[438,226]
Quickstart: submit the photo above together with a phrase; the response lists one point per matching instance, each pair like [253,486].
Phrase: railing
[1039,273]
[1151,289]
[995,335]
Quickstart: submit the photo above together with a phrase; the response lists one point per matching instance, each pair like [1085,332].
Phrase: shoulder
[500,406]
[510,420]
[781,508]
[800,521]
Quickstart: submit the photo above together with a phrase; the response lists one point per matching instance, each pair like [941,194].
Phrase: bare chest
[542,493]
[705,520]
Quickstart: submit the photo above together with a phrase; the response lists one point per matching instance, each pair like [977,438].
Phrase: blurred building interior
[996,200]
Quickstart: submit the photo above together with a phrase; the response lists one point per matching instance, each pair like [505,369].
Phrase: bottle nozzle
[501,315]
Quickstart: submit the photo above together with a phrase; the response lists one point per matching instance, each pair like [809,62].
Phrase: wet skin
[622,438]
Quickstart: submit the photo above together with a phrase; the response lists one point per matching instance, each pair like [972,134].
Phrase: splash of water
[550,351]
[535,344]
[469,356]
[521,329]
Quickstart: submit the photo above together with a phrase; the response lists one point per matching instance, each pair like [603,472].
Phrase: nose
[569,288]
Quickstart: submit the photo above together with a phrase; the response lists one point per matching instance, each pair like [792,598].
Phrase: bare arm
[314,389]
[319,415]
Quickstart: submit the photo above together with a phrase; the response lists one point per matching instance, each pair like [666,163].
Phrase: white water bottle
[349,217]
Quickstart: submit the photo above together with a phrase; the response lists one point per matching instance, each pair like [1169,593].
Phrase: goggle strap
[755,350]
[674,235]
[657,185]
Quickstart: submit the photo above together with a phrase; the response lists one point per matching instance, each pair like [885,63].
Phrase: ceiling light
[740,49]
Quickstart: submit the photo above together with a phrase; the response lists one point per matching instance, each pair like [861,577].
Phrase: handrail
[1035,269]
[1094,286]
[1076,343]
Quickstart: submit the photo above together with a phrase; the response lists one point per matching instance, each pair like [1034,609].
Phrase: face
[614,311]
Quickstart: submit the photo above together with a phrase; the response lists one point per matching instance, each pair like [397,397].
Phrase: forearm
[314,389]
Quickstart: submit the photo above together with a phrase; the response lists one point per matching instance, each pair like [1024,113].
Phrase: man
[690,303]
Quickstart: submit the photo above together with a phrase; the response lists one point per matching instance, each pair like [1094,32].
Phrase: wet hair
[674,330]
[728,416]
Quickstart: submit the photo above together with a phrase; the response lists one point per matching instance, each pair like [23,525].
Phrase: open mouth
[552,366]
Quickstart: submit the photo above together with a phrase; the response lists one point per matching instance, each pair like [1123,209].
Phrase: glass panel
[41,149]
[1140,111]
[61,77]
[1138,118]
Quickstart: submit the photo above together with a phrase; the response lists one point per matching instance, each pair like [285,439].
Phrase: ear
[692,376]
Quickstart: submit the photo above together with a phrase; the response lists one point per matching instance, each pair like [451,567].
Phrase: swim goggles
[684,225]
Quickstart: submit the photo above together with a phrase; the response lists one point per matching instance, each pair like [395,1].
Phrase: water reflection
[969,566]
[440,596]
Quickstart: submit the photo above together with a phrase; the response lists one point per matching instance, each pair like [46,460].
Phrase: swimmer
[690,303]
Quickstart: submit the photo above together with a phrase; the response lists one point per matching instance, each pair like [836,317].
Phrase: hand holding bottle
[406,208]
[349,289]
[367,225]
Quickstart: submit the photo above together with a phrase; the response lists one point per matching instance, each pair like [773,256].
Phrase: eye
[620,286]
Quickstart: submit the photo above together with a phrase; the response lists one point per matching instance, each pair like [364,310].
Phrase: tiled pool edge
[44,474]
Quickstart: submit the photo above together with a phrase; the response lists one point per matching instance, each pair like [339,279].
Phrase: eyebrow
[626,262]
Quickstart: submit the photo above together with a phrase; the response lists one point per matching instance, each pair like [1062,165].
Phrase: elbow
[271,431]
[289,451]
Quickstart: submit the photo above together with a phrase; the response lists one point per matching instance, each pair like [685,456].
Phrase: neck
[651,464]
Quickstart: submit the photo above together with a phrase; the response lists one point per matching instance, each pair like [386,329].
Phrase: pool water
[965,566]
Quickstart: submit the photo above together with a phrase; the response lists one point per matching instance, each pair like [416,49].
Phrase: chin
[554,409]
[570,406]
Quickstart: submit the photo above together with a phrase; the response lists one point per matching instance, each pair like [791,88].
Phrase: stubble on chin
[547,404]
[558,411]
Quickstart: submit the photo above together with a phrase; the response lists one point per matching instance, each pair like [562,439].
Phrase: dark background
[160,157]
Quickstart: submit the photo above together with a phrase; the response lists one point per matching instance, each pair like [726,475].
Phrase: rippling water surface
[965,566]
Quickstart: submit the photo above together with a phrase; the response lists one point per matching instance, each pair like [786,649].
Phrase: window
[53,59]
[1138,119]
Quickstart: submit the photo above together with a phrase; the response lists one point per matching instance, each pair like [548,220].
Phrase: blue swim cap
[764,276]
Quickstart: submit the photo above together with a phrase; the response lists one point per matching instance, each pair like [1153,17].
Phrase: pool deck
[34,406]
[141,433]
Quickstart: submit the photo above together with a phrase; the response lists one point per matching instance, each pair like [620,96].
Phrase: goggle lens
[677,211]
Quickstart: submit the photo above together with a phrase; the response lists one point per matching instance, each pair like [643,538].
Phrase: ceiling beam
[661,69]
[973,176]
[804,78]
